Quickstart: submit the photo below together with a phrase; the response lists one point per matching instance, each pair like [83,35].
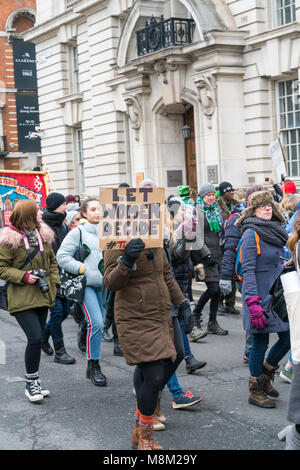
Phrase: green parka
[22,296]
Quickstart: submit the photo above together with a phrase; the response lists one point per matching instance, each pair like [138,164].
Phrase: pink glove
[188,227]
[257,316]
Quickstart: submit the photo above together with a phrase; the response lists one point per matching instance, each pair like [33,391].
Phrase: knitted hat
[173,205]
[70,216]
[225,188]
[206,189]
[148,182]
[70,198]
[54,200]
[289,187]
[259,198]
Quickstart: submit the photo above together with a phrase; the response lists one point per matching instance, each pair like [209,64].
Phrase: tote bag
[291,286]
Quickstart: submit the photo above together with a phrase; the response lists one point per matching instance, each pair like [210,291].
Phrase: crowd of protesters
[245,245]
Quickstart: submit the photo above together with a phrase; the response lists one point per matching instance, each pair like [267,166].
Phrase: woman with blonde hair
[28,263]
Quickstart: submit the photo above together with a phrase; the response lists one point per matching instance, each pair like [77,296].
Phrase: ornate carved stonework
[206,86]
[134,111]
[161,67]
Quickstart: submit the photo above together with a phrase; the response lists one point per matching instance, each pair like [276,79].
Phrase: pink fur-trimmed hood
[13,237]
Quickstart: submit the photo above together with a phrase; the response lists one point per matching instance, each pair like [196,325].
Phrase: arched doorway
[190,150]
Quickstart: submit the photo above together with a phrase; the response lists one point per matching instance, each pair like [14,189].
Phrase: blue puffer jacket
[231,239]
[65,254]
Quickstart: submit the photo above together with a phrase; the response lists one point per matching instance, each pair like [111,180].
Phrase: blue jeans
[260,342]
[58,313]
[186,343]
[95,313]
[174,387]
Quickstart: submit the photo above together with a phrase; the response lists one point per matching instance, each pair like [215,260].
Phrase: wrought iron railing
[161,34]
[3,146]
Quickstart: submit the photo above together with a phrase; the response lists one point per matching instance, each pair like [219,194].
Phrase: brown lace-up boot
[146,438]
[136,434]
[257,395]
[268,377]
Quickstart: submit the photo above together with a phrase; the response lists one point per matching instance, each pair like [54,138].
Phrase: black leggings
[213,294]
[150,378]
[32,323]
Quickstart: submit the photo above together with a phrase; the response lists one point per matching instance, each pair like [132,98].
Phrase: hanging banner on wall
[127,213]
[28,120]
[24,65]
[18,185]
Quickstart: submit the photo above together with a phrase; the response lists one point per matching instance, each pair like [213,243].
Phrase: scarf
[270,231]
[32,237]
[213,216]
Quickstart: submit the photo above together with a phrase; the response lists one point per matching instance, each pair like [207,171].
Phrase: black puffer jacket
[55,220]
[183,268]
[231,239]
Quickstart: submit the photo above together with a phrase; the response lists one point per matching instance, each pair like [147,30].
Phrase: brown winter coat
[143,305]
[13,254]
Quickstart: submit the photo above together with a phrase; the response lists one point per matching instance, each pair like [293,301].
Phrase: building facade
[18,87]
[183,91]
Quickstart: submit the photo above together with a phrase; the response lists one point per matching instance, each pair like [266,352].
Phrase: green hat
[184,191]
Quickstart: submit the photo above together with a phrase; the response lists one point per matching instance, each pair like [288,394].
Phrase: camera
[41,282]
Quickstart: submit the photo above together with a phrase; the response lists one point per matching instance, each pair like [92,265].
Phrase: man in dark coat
[54,216]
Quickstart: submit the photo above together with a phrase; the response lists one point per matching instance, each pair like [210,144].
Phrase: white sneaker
[44,391]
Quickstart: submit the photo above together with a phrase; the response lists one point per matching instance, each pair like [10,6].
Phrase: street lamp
[186,132]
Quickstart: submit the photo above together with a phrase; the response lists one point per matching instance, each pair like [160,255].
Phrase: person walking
[211,257]
[262,243]
[145,327]
[28,263]
[92,304]
[232,236]
[54,217]
[291,433]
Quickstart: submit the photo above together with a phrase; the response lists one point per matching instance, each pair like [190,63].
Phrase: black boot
[95,374]
[81,336]
[192,364]
[118,351]
[45,342]
[61,354]
[106,336]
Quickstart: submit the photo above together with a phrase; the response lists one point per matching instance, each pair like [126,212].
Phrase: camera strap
[38,248]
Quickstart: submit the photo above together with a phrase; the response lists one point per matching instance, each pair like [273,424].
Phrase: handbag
[4,284]
[291,287]
[278,302]
[73,285]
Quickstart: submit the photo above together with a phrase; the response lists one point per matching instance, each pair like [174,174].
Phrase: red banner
[18,185]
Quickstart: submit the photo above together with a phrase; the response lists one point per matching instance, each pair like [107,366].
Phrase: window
[285,12]
[75,69]
[80,160]
[289,123]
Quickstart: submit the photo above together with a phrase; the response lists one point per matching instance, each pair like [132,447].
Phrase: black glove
[209,260]
[132,252]
[185,314]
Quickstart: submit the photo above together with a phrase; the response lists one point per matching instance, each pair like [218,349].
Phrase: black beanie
[54,200]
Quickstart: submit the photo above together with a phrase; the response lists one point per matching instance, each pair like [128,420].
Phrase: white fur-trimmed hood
[11,237]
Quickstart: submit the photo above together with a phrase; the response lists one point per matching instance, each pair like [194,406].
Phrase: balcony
[3,146]
[157,35]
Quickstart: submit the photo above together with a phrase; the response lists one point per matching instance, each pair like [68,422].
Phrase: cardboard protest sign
[18,185]
[278,158]
[127,213]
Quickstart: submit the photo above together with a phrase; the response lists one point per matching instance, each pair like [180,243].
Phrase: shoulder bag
[73,285]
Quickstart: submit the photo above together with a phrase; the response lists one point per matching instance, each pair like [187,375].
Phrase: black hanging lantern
[186,132]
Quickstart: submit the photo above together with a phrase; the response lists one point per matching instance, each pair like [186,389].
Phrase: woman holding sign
[145,289]
[92,305]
